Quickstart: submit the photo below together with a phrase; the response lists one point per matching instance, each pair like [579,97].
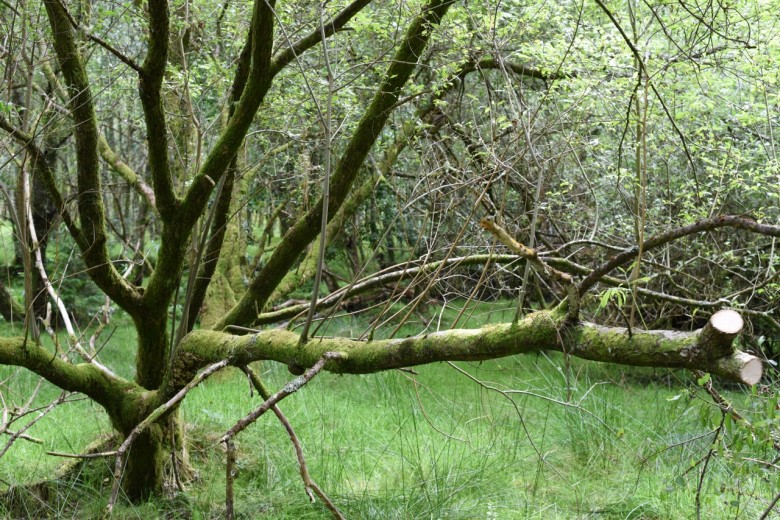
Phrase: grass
[432,445]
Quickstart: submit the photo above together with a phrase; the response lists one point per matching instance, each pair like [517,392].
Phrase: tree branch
[132,178]
[308,482]
[288,54]
[707,224]
[545,330]
[368,129]
[490,62]
[149,90]
[107,390]
[257,84]
[176,232]
[90,203]
[219,215]
[41,165]
[288,389]
[106,152]
[121,56]
[296,278]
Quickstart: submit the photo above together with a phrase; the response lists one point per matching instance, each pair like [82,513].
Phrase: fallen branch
[288,389]
[386,276]
[544,330]
[308,482]
[409,270]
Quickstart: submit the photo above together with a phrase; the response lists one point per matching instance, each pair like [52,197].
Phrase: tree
[198,183]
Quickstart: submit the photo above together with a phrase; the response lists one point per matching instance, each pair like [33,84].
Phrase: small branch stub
[727,321]
[719,333]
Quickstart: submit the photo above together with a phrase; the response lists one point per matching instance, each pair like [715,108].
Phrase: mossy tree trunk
[227,280]
[178,215]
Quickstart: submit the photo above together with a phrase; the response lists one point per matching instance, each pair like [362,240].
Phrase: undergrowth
[530,437]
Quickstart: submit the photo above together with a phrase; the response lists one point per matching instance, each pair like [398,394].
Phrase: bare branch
[395,273]
[286,56]
[122,57]
[308,482]
[701,226]
[288,389]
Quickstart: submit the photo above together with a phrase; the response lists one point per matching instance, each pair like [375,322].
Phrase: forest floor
[528,437]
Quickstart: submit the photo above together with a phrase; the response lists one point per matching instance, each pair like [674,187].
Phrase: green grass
[434,445]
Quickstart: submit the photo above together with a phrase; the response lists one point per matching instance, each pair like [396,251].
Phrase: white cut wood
[727,321]
[752,370]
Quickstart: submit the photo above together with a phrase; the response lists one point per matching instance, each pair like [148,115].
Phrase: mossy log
[546,330]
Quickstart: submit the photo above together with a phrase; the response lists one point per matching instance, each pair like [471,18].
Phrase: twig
[723,403]
[643,68]
[769,508]
[491,226]
[308,483]
[33,236]
[22,436]
[82,455]
[519,417]
[40,416]
[706,463]
[726,407]
[326,127]
[290,388]
[230,474]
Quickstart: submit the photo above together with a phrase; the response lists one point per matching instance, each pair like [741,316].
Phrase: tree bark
[10,309]
[545,330]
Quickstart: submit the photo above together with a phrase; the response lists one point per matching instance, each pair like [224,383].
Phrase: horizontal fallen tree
[710,349]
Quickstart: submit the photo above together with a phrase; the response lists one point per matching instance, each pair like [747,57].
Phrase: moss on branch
[546,330]
[124,401]
[306,229]
[91,238]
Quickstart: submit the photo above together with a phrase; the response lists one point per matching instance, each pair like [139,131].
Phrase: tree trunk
[9,308]
[44,214]
[153,348]
[143,476]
